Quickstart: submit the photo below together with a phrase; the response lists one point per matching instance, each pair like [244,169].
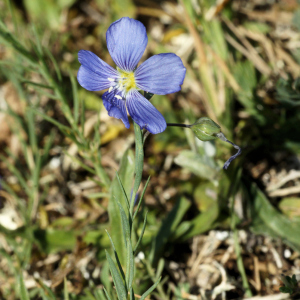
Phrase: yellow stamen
[127,80]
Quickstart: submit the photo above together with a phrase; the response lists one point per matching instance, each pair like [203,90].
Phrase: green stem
[139,162]
[179,125]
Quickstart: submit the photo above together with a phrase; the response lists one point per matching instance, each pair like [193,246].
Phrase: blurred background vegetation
[211,234]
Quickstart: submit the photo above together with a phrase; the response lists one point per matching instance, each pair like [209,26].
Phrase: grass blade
[56,67]
[75,98]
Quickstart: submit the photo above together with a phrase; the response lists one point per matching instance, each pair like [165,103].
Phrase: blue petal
[144,113]
[115,107]
[161,74]
[126,42]
[94,73]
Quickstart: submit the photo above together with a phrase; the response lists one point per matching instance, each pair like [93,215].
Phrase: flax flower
[160,74]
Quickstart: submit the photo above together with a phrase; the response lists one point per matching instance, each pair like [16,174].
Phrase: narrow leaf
[125,224]
[116,256]
[23,291]
[37,84]
[139,162]
[66,294]
[141,199]
[75,98]
[56,67]
[141,235]
[125,173]
[148,292]
[123,190]
[132,297]
[119,284]
[106,293]
[130,266]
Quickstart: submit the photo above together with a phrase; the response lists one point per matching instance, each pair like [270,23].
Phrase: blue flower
[160,74]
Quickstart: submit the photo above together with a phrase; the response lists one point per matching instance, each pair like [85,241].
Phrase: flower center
[127,81]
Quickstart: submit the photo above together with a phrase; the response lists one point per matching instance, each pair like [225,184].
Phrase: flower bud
[206,129]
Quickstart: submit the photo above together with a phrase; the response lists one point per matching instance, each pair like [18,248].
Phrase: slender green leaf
[37,39]
[141,198]
[75,98]
[99,294]
[82,119]
[141,235]
[104,277]
[160,268]
[132,297]
[148,292]
[116,256]
[139,162]
[56,67]
[37,84]
[123,190]
[125,173]
[125,224]
[119,284]
[23,291]
[31,129]
[106,293]
[66,293]
[130,266]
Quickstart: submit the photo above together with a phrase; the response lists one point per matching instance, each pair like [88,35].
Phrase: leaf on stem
[130,266]
[125,173]
[125,224]
[119,284]
[141,199]
[116,256]
[141,235]
[123,190]
[148,292]
[106,293]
